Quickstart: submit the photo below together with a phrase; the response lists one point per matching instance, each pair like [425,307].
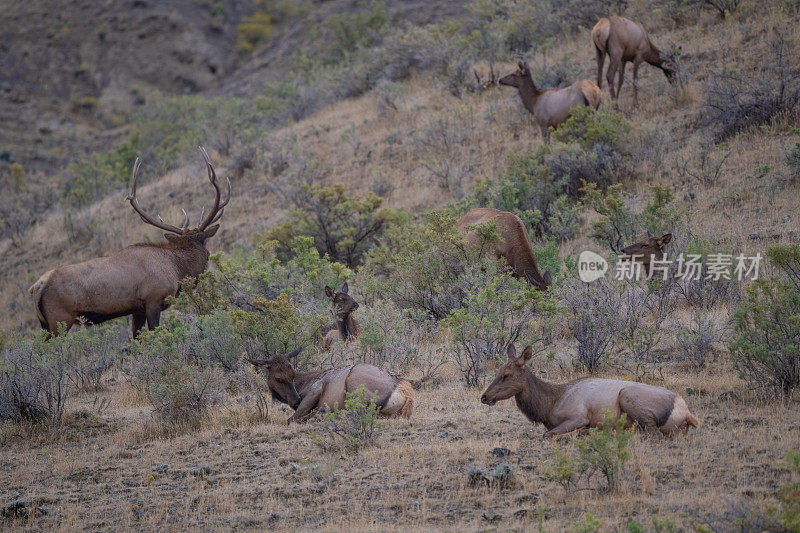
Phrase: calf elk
[346,326]
[552,107]
[624,41]
[582,403]
[515,246]
[647,250]
[306,392]
[133,281]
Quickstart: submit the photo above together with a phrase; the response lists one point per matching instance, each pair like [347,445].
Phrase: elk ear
[666,238]
[256,362]
[511,352]
[548,279]
[345,289]
[521,65]
[294,353]
[171,237]
[527,353]
[526,67]
[210,232]
[329,292]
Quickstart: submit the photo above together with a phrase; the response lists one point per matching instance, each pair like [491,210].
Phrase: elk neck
[653,55]
[189,258]
[347,326]
[301,379]
[524,262]
[538,397]
[529,93]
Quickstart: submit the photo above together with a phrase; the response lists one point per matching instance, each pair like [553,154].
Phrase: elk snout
[487,401]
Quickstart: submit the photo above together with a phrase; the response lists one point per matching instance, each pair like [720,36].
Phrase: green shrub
[605,449]
[562,469]
[791,157]
[354,426]
[253,30]
[498,310]
[343,227]
[179,389]
[589,127]
[589,524]
[789,496]
[422,265]
[765,350]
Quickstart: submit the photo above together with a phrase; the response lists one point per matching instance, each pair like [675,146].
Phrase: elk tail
[407,390]
[37,291]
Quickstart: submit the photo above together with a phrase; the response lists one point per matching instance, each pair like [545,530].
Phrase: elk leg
[137,323]
[307,404]
[621,77]
[612,70]
[567,426]
[636,84]
[601,59]
[153,316]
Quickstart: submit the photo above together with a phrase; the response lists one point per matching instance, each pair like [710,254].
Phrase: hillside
[395,100]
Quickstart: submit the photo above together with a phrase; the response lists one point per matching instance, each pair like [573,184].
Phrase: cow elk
[624,41]
[135,280]
[552,107]
[648,250]
[514,245]
[347,328]
[309,392]
[582,403]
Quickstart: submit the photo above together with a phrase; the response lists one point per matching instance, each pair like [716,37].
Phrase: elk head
[646,250]
[280,377]
[516,78]
[669,65]
[185,236]
[510,378]
[342,302]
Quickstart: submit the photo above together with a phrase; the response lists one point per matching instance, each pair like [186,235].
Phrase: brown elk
[308,392]
[515,246]
[552,107]
[582,403]
[624,41]
[647,250]
[135,280]
[347,328]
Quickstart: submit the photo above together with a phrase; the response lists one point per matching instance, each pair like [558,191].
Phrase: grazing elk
[306,392]
[624,41]
[515,246]
[552,107]
[582,403]
[135,280]
[647,250]
[346,326]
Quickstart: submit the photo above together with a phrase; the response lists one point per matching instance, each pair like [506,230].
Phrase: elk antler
[219,207]
[145,217]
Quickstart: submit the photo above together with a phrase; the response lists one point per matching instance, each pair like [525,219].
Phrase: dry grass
[106,471]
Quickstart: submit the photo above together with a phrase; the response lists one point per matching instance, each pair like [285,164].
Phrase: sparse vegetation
[353,425]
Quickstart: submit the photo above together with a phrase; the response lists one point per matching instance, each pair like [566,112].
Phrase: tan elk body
[308,392]
[583,403]
[648,250]
[133,281]
[347,328]
[552,107]
[515,246]
[624,41]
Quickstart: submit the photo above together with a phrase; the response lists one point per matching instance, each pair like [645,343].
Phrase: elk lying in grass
[624,41]
[552,107]
[307,392]
[515,246]
[346,326]
[133,281]
[582,403]
[647,250]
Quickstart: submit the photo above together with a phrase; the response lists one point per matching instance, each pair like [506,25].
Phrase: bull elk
[552,107]
[647,250]
[346,326]
[625,41]
[514,246]
[582,403]
[135,280]
[307,392]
